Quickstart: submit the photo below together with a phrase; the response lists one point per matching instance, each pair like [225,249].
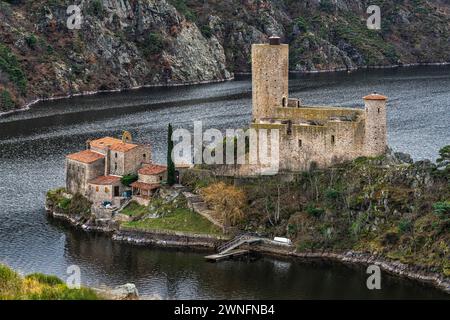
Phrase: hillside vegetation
[38,286]
[124,44]
[383,206]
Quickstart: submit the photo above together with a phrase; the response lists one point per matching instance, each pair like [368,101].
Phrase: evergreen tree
[170,164]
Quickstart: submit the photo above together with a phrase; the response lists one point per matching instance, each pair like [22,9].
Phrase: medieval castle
[311,135]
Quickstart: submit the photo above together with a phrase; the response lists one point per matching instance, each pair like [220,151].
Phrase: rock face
[125,43]
[127,291]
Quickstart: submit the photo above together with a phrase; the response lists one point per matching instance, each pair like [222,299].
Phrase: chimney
[107,160]
[274,41]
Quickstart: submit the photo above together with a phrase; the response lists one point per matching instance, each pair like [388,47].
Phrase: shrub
[153,44]
[405,226]
[227,200]
[129,179]
[31,41]
[79,205]
[45,279]
[10,65]
[332,194]
[206,31]
[183,8]
[64,203]
[314,211]
[6,102]
[10,283]
[442,209]
[390,238]
[96,8]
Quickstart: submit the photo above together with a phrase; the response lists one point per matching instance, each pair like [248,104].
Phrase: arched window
[284,102]
[333,139]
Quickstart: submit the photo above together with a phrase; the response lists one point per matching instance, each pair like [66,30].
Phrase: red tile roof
[152,169]
[375,96]
[105,180]
[113,144]
[85,156]
[145,186]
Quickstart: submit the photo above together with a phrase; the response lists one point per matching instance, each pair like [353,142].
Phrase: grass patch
[39,286]
[134,209]
[180,219]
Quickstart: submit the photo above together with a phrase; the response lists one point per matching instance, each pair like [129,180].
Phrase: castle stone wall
[270,78]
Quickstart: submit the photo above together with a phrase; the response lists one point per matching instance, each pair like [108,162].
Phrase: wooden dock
[229,254]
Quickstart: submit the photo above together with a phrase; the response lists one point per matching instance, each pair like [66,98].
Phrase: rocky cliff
[129,43]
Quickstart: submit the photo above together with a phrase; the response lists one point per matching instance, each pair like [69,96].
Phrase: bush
[6,102]
[39,286]
[31,41]
[79,205]
[314,211]
[442,209]
[183,8]
[96,8]
[405,226]
[153,44]
[10,65]
[227,200]
[129,179]
[206,31]
[45,279]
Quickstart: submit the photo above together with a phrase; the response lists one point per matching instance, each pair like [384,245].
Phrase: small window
[115,155]
[378,110]
[300,142]
[106,189]
[284,102]
[96,189]
[144,156]
[160,178]
[115,165]
[333,140]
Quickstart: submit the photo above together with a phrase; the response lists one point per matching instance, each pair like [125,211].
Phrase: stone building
[311,135]
[149,180]
[97,171]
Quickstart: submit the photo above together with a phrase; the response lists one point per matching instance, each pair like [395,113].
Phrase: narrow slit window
[333,139]
[300,143]
[284,102]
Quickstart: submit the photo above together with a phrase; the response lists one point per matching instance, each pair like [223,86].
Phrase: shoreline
[391,66]
[172,239]
[29,104]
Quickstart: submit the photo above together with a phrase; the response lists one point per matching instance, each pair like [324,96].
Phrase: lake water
[33,145]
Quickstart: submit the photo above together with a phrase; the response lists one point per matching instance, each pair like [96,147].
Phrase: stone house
[97,171]
[105,188]
[150,177]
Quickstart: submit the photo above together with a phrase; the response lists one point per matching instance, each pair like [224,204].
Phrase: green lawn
[134,209]
[180,219]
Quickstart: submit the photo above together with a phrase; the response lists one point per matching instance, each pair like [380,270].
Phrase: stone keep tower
[270,78]
[375,126]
